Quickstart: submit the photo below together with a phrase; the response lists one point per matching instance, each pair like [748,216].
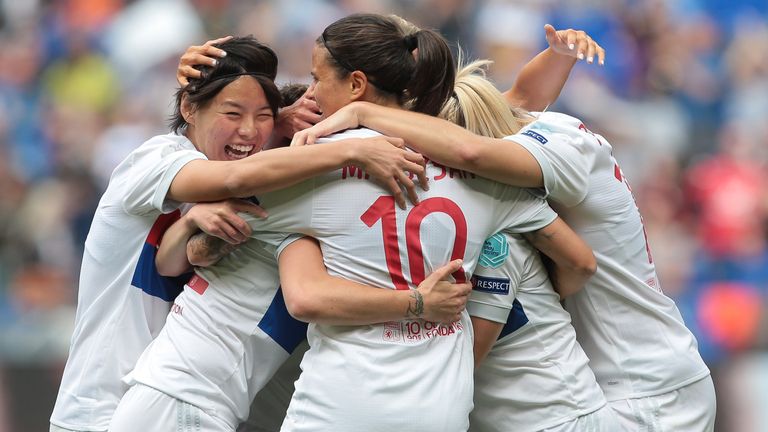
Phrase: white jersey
[122,301]
[536,376]
[405,375]
[633,334]
[226,335]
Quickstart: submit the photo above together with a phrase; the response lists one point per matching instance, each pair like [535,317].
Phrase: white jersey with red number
[405,375]
[633,334]
[536,375]
[122,301]
[226,335]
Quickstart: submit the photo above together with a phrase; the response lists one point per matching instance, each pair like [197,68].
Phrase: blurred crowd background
[683,97]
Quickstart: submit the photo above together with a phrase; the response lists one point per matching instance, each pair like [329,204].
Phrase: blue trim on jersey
[284,329]
[517,319]
[146,277]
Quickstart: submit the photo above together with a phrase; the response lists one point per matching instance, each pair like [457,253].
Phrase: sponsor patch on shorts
[490,285]
[495,251]
[538,137]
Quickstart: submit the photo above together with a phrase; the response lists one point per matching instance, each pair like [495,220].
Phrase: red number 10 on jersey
[384,209]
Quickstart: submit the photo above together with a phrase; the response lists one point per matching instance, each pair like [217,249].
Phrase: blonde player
[122,300]
[644,358]
[523,336]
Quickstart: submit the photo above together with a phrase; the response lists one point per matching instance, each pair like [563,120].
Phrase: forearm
[541,80]
[265,171]
[312,295]
[569,260]
[338,301]
[171,258]
[566,280]
[486,333]
[451,145]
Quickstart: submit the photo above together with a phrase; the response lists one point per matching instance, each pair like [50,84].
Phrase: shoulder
[171,141]
[557,122]
[164,145]
[350,133]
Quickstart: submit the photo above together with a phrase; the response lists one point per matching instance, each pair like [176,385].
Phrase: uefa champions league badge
[495,251]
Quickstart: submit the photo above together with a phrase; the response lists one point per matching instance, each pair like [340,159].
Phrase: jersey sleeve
[521,210]
[289,210]
[498,274]
[565,154]
[286,241]
[150,175]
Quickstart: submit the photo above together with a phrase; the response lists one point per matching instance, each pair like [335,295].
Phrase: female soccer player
[645,359]
[122,302]
[530,373]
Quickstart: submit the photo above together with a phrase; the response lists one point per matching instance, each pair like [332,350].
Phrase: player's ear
[358,83]
[187,110]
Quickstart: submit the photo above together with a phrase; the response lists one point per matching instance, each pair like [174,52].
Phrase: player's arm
[486,333]
[383,158]
[312,295]
[571,261]
[540,81]
[219,219]
[203,250]
[439,140]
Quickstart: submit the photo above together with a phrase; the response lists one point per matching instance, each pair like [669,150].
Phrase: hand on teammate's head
[205,54]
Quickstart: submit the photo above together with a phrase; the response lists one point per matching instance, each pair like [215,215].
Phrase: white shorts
[602,420]
[55,428]
[148,410]
[690,408]
[271,402]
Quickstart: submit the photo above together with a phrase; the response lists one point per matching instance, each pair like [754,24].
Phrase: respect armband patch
[495,251]
[537,136]
[490,285]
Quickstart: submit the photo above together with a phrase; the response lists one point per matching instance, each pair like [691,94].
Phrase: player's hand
[205,54]
[444,301]
[303,114]
[220,219]
[386,160]
[344,118]
[574,43]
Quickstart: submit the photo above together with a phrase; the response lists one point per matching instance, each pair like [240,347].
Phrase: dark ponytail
[435,75]
[381,48]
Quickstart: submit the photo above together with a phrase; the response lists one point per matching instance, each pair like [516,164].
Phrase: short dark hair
[378,46]
[245,56]
[292,92]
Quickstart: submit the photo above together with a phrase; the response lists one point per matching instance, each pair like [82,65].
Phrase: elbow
[169,267]
[167,271]
[587,267]
[240,180]
[300,307]
[469,155]
[236,183]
